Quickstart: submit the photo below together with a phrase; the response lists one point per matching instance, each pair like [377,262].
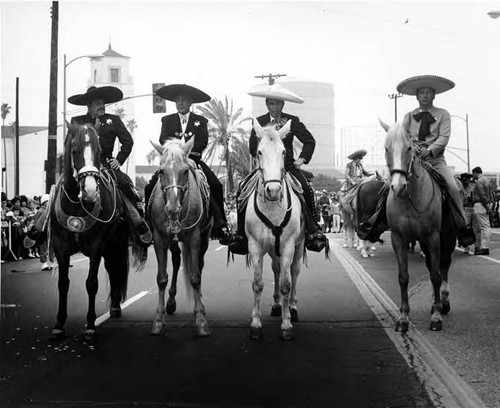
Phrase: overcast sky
[363,48]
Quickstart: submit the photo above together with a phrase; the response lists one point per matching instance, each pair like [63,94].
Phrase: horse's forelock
[173,152]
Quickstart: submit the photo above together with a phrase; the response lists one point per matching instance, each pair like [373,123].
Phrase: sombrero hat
[410,86]
[110,94]
[275,91]
[358,153]
[170,92]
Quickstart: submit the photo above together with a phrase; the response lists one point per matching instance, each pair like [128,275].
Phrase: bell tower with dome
[113,69]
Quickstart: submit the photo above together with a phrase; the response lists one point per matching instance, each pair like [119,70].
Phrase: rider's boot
[220,229]
[139,225]
[239,244]
[315,239]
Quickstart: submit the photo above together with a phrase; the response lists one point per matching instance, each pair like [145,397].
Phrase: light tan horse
[274,225]
[414,212]
[179,214]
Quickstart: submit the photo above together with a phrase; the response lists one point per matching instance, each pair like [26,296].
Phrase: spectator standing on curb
[481,197]
[466,188]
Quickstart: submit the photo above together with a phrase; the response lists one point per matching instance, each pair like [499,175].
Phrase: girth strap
[277,230]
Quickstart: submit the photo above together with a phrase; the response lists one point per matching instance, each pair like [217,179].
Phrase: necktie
[97,124]
[425,119]
[184,120]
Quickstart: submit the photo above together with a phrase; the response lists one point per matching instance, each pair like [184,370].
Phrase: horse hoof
[436,325]
[158,329]
[446,308]
[203,330]
[256,333]
[402,327]
[287,335]
[294,315]
[58,334]
[276,310]
[115,312]
[89,334]
[364,255]
[171,308]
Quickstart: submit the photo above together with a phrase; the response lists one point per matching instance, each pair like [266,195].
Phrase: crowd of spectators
[18,216]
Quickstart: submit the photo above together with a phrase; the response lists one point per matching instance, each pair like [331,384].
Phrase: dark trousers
[126,186]
[308,191]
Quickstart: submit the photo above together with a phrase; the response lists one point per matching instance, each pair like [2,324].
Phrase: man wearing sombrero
[354,170]
[109,128]
[430,129]
[186,124]
[275,96]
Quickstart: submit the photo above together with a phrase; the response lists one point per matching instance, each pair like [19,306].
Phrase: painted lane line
[442,383]
[127,303]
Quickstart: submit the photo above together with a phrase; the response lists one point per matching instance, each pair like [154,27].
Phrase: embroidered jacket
[297,129]
[196,127]
[111,128]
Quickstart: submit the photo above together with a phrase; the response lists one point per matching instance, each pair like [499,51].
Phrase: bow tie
[425,119]
[183,119]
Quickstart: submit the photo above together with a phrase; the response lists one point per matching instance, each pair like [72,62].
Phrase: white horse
[274,225]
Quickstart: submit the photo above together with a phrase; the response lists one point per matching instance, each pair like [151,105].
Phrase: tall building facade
[317,113]
[113,69]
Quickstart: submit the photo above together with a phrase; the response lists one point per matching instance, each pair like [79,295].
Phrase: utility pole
[16,172]
[270,77]
[395,97]
[50,164]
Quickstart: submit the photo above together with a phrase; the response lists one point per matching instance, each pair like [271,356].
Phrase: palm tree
[5,112]
[120,112]
[151,156]
[225,128]
[131,125]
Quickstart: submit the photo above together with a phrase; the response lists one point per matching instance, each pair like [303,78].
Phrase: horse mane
[173,152]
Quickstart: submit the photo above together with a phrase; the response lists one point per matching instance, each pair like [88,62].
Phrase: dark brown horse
[85,216]
[415,212]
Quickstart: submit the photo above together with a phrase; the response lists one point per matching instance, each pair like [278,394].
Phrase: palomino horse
[179,215]
[274,226]
[415,212]
[85,216]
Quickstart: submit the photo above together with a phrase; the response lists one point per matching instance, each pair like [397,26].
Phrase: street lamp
[64,84]
[395,96]
[466,120]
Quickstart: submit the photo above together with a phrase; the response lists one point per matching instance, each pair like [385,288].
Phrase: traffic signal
[159,105]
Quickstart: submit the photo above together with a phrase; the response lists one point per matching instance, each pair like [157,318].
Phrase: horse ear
[159,148]
[186,147]
[285,129]
[383,124]
[257,127]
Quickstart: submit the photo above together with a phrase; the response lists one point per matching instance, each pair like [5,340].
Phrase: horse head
[174,174]
[399,156]
[83,152]
[271,156]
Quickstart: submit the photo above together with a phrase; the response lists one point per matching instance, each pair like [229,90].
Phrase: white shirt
[181,118]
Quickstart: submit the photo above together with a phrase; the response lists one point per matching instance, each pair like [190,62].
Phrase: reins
[277,230]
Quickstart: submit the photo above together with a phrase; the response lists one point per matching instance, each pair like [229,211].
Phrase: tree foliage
[328,183]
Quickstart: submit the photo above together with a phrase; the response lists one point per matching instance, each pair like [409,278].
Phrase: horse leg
[193,267]
[432,251]
[285,289]
[363,249]
[161,250]
[116,262]
[295,270]
[401,251]
[276,308]
[447,248]
[92,285]
[176,264]
[63,259]
[256,260]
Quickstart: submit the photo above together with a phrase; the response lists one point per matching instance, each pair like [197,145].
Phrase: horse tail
[187,272]
[116,262]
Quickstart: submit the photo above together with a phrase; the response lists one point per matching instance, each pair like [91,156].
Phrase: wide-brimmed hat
[275,91]
[410,86]
[358,153]
[170,92]
[110,94]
